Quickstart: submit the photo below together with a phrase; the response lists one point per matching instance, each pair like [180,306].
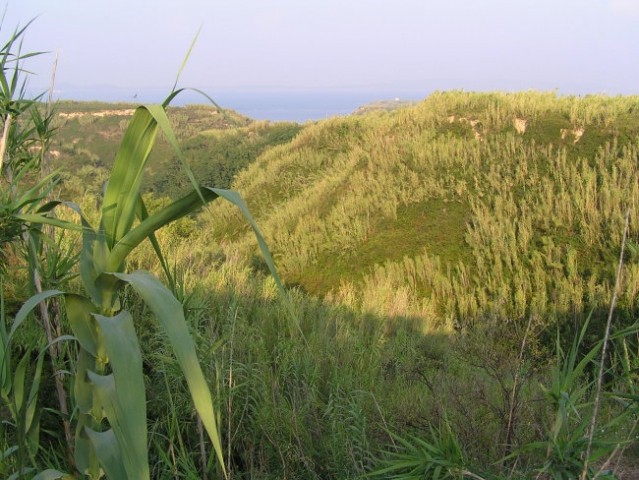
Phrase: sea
[274,105]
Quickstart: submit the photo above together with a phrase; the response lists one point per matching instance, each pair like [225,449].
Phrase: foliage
[558,454]
[439,457]
[217,142]
[26,134]
[571,396]
[403,212]
[109,384]
[20,399]
[436,248]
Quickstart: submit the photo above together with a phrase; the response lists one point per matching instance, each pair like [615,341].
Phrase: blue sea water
[275,105]
[304,106]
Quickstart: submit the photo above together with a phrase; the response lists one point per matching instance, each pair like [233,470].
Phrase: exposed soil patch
[104,113]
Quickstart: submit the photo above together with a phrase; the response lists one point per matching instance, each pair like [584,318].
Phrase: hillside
[384,106]
[441,259]
[463,208]
[217,143]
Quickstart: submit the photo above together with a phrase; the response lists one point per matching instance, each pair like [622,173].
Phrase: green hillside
[218,144]
[462,208]
[441,261]
[456,297]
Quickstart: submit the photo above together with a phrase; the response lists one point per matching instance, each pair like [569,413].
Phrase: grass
[426,255]
[335,204]
[417,228]
[86,143]
[434,226]
[109,392]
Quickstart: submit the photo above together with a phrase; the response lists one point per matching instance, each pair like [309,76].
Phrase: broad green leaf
[28,306]
[93,262]
[52,474]
[175,93]
[32,400]
[121,195]
[84,455]
[110,454]
[82,388]
[159,114]
[33,433]
[149,225]
[135,465]
[170,314]
[184,61]
[18,382]
[79,313]
[122,393]
[44,220]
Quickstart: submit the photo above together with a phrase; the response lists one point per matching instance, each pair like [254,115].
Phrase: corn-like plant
[111,432]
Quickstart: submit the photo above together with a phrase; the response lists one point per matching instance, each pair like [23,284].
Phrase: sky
[574,47]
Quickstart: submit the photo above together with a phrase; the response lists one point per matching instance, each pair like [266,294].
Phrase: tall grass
[109,385]
[529,222]
[25,188]
[435,244]
[109,391]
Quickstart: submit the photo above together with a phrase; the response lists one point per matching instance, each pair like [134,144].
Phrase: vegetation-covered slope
[217,143]
[462,208]
[485,210]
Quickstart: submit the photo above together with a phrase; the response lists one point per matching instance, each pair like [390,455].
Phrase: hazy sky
[575,46]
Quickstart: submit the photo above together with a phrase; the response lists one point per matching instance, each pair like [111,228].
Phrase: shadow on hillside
[320,401]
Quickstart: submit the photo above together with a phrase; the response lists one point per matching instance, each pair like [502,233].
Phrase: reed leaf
[122,392]
[109,452]
[120,197]
[170,314]
[28,306]
[51,474]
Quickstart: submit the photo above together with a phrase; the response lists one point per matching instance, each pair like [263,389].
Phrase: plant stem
[604,349]
[513,395]
[3,142]
[54,357]
[229,407]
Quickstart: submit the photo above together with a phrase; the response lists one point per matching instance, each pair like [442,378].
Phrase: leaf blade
[122,392]
[170,314]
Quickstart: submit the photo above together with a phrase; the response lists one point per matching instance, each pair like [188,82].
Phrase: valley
[449,266]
